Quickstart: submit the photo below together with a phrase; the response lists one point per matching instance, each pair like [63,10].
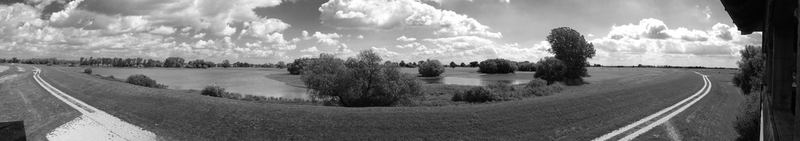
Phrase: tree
[751,70]
[225,64]
[550,69]
[497,66]
[526,66]
[452,64]
[174,62]
[430,68]
[280,65]
[473,64]
[571,48]
[463,65]
[297,66]
[360,81]
[402,63]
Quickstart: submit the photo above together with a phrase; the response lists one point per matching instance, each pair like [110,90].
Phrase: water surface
[244,81]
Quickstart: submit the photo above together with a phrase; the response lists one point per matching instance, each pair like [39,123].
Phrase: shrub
[573,50]
[214,91]
[550,69]
[747,122]
[360,81]
[475,94]
[497,66]
[297,66]
[751,70]
[527,66]
[431,68]
[87,70]
[539,87]
[142,80]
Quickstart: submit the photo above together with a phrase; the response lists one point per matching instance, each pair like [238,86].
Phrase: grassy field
[21,99]
[578,113]
[713,118]
[441,94]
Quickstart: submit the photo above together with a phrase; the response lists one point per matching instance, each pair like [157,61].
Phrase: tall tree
[571,48]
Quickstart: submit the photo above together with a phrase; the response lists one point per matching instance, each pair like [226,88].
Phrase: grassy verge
[581,114]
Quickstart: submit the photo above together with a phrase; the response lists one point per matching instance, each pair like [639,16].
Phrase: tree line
[170,62]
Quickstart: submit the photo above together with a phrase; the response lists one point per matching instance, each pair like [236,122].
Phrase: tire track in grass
[93,123]
[639,127]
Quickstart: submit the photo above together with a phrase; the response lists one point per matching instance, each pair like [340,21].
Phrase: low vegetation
[504,91]
[526,66]
[297,66]
[142,80]
[431,68]
[218,91]
[493,66]
[751,70]
[87,70]
[360,81]
[550,69]
[749,80]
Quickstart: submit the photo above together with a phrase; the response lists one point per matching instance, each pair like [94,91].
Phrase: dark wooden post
[783,30]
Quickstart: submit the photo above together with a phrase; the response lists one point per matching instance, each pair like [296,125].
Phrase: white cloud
[311,50]
[471,48]
[163,30]
[651,37]
[328,39]
[405,39]
[391,14]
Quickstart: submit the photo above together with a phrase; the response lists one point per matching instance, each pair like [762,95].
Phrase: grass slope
[713,117]
[21,98]
[579,113]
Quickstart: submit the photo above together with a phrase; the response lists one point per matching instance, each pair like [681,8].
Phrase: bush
[497,66]
[87,70]
[360,81]
[747,122]
[539,87]
[475,94]
[214,91]
[527,66]
[431,68]
[297,66]
[142,80]
[550,69]
[751,70]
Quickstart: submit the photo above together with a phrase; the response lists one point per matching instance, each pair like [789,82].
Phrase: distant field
[614,98]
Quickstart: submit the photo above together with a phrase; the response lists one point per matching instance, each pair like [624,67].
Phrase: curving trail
[639,127]
[579,113]
[93,122]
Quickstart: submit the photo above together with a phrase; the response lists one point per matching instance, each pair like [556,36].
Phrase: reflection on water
[470,81]
[250,82]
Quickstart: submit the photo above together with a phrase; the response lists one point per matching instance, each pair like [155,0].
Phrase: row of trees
[170,62]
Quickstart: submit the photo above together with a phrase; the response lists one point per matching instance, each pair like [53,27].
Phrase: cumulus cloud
[328,39]
[163,30]
[310,50]
[653,38]
[406,39]
[392,14]
[471,48]
[121,28]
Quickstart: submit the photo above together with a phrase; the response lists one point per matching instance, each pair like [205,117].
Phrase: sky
[624,32]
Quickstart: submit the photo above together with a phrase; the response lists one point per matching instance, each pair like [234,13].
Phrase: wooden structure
[778,22]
